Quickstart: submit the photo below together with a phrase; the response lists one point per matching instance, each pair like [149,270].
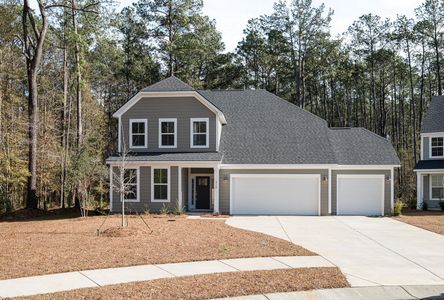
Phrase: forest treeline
[67,65]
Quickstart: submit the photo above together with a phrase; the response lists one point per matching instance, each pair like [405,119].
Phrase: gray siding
[183,109]
[387,187]
[426,148]
[224,185]
[145,193]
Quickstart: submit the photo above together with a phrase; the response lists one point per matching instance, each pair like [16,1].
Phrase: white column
[111,187]
[216,190]
[179,187]
[329,190]
[419,185]
[392,188]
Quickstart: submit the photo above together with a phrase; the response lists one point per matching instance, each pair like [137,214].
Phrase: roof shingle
[170,84]
[434,118]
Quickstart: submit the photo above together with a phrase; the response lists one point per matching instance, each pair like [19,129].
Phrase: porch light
[225,178]
[387,178]
[325,178]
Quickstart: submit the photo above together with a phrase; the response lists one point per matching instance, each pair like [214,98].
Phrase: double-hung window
[138,131]
[160,191]
[437,187]
[167,133]
[131,185]
[199,133]
[437,146]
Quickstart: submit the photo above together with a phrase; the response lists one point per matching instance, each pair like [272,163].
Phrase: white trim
[419,190]
[119,135]
[185,164]
[194,94]
[307,166]
[422,147]
[131,121]
[354,176]
[179,187]
[431,186]
[318,176]
[138,183]
[218,134]
[192,176]
[216,205]
[168,184]
[429,171]
[174,120]
[111,188]
[433,134]
[330,179]
[430,146]
[392,189]
[207,133]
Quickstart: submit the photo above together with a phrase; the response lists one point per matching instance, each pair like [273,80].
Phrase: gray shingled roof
[434,118]
[188,156]
[431,164]
[170,84]
[265,129]
[358,146]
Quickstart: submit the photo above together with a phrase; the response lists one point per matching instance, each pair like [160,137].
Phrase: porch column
[419,186]
[179,187]
[216,190]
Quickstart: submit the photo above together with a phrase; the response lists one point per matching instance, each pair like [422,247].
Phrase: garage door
[360,195]
[275,194]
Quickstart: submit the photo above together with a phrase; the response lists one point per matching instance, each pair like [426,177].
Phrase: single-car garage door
[360,195]
[275,194]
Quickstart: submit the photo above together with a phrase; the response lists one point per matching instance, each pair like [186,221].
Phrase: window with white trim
[138,133]
[167,133]
[130,179]
[160,191]
[437,187]
[437,146]
[199,132]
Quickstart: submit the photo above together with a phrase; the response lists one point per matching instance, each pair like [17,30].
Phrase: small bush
[441,204]
[146,209]
[179,210]
[397,208]
[425,206]
[164,210]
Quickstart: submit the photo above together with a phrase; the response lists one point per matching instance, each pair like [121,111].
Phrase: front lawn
[43,246]
[214,285]
[429,220]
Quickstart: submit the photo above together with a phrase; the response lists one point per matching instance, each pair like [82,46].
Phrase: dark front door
[202,192]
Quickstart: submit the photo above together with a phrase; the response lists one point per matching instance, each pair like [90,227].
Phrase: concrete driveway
[369,251]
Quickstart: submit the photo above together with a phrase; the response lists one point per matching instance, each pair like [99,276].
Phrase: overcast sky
[232,15]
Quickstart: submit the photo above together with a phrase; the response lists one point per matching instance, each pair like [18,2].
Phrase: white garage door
[275,194]
[360,195]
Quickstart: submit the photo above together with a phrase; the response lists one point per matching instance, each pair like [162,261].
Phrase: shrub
[164,210]
[441,204]
[179,210]
[425,206]
[399,205]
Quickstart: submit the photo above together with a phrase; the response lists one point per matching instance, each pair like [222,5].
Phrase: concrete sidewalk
[408,292]
[52,283]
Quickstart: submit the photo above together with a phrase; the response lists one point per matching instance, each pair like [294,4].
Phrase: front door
[203,192]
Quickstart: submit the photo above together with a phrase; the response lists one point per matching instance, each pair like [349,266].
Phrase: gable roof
[434,118]
[170,84]
[359,146]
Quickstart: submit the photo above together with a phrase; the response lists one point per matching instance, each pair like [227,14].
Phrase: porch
[430,189]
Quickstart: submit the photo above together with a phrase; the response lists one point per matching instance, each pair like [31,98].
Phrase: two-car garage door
[275,194]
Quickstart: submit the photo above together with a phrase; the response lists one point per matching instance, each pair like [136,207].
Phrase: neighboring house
[430,169]
[247,152]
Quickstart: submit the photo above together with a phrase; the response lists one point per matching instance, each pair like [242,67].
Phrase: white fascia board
[429,171]
[432,134]
[183,164]
[308,166]
[194,94]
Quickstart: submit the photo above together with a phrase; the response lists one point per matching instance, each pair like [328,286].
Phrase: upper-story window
[199,132]
[437,147]
[138,133]
[167,133]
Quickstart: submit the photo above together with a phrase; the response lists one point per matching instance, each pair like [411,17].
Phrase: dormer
[432,131]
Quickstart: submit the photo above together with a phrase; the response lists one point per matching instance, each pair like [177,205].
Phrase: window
[131,180]
[199,133]
[160,191]
[167,133]
[437,187]
[437,146]
[138,133]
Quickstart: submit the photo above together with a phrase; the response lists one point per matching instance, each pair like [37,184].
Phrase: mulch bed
[429,220]
[214,285]
[62,245]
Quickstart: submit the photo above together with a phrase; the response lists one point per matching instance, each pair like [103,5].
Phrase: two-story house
[430,169]
[246,152]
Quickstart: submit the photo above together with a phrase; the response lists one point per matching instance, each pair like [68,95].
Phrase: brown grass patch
[429,220]
[214,285]
[63,245]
